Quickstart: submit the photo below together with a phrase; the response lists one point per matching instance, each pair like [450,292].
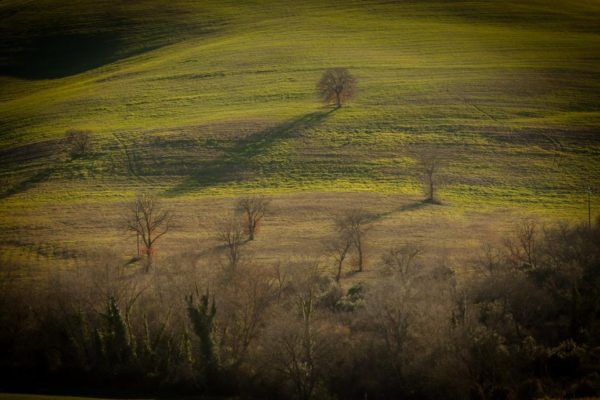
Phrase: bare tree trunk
[149,260]
[338,275]
[431,188]
[360,256]
[250,230]
[254,208]
[342,257]
[338,102]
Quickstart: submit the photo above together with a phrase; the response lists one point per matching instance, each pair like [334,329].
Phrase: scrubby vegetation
[524,325]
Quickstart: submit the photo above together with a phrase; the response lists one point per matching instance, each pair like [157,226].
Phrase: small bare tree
[523,247]
[336,84]
[340,246]
[230,234]
[430,162]
[354,224]
[78,142]
[400,261]
[253,208]
[149,221]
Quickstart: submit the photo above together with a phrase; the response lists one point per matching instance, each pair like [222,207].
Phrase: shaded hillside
[52,39]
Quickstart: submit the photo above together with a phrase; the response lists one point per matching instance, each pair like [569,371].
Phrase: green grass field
[203,101]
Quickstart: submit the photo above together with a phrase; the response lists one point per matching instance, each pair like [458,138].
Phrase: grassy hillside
[196,99]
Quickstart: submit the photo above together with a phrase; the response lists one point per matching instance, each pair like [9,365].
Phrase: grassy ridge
[217,98]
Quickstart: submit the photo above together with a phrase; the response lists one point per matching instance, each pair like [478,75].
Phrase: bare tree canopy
[353,226]
[522,246]
[336,85]
[430,161]
[254,209]
[400,261]
[230,233]
[78,142]
[149,221]
[339,246]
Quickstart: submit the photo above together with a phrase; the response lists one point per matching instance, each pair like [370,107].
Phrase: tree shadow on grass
[415,205]
[412,206]
[28,183]
[241,160]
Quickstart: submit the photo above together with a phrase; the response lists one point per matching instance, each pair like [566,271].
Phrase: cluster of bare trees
[150,221]
[241,226]
[525,326]
[351,229]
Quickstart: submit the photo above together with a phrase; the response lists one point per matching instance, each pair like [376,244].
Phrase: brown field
[297,226]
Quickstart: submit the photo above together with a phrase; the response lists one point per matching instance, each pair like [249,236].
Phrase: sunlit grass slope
[217,98]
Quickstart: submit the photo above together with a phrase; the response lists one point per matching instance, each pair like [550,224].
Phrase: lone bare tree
[78,142]
[150,222]
[354,225]
[253,208]
[336,84]
[230,233]
[430,162]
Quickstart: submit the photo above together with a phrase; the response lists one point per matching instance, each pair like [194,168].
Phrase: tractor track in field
[558,148]
[555,143]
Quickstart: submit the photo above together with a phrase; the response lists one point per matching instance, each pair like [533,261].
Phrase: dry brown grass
[297,227]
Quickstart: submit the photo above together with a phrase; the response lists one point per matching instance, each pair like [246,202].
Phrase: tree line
[523,325]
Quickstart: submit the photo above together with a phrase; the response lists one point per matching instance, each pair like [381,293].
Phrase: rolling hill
[205,100]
